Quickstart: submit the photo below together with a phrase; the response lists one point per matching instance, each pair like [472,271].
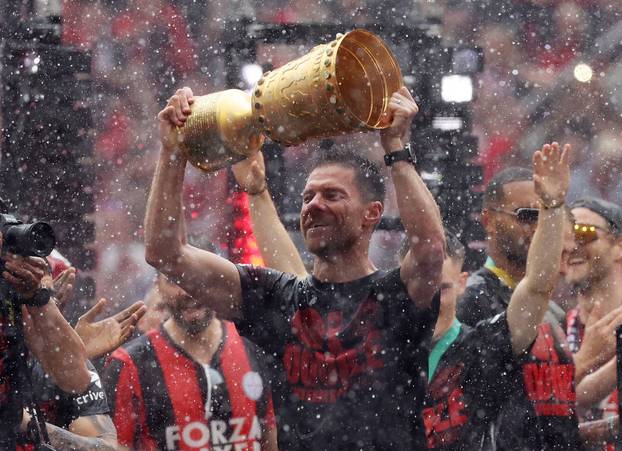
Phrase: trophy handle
[220,130]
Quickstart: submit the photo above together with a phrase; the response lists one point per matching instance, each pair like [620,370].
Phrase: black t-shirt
[471,382]
[349,356]
[485,296]
[540,413]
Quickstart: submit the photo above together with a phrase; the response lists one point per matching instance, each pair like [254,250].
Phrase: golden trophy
[334,89]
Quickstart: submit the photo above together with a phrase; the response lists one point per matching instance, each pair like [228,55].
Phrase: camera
[36,239]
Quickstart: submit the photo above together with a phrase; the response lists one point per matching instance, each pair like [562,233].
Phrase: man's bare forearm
[422,266]
[163,224]
[531,297]
[543,258]
[204,275]
[276,246]
[61,351]
[418,209]
[63,439]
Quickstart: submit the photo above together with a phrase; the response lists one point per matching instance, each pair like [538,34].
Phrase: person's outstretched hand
[175,114]
[64,285]
[551,174]
[103,337]
[250,174]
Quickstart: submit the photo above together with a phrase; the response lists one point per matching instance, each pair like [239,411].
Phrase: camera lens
[42,239]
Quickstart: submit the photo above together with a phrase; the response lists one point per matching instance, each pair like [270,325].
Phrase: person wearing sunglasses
[509,218]
[531,418]
[595,274]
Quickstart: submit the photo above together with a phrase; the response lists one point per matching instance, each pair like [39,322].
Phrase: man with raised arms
[349,341]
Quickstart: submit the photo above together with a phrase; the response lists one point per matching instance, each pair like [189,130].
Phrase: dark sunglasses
[586,233]
[524,215]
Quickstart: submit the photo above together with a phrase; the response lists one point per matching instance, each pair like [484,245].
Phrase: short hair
[368,177]
[494,194]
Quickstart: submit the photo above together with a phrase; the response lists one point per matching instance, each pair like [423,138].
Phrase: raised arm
[276,246]
[421,268]
[530,299]
[204,275]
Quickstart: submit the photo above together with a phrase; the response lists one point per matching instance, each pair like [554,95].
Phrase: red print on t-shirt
[328,354]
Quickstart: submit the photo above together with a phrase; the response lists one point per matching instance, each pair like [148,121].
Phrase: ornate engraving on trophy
[336,88]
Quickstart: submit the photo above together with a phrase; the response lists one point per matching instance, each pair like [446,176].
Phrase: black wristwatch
[406,154]
[41,297]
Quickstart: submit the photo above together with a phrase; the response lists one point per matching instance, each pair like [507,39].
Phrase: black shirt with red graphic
[162,399]
[350,357]
[473,379]
[540,414]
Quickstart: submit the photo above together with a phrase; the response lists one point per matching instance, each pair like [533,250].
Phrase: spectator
[529,418]
[192,382]
[595,272]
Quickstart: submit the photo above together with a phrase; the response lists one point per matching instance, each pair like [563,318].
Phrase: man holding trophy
[349,343]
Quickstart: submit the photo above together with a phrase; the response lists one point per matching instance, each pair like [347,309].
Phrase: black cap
[608,210]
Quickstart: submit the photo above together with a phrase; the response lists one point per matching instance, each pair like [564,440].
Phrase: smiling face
[590,263]
[334,216]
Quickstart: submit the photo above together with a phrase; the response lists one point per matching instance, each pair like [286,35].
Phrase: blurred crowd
[144,49]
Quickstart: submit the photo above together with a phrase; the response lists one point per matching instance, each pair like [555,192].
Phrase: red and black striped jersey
[161,398]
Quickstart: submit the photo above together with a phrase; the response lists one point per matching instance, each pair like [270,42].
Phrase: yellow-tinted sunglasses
[586,233]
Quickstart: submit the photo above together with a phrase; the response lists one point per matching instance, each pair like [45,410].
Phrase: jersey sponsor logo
[549,383]
[217,435]
[90,396]
[444,419]
[321,367]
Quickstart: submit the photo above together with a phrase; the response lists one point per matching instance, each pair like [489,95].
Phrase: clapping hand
[64,285]
[103,337]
